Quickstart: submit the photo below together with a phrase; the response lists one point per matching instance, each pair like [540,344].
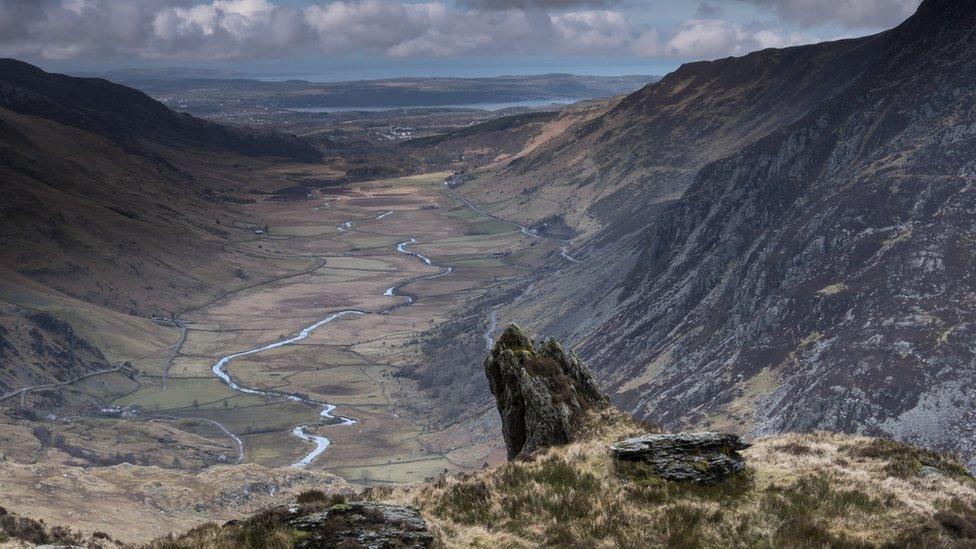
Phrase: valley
[302,365]
[223,297]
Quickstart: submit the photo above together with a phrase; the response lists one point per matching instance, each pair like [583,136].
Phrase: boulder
[696,457]
[364,524]
[542,393]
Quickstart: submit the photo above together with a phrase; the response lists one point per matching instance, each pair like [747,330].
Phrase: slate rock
[702,457]
[364,524]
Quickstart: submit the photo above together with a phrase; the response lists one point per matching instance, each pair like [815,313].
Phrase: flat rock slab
[689,457]
[364,524]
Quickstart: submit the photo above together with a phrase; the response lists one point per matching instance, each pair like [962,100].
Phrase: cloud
[246,29]
[708,11]
[592,31]
[853,14]
[538,4]
[711,39]
[429,29]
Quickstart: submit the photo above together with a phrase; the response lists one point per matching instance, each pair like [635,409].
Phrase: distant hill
[126,115]
[198,94]
[110,215]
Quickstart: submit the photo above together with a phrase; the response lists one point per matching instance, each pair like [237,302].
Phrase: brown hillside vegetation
[798,490]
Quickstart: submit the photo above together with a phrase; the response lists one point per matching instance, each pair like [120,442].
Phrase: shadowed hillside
[128,116]
[112,214]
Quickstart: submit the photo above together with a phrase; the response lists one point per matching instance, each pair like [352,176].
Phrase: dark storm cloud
[248,29]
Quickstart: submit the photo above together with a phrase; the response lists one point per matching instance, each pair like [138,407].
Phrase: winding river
[392,290]
[301,431]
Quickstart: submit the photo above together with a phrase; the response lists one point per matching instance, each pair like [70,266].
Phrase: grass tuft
[809,490]
[906,461]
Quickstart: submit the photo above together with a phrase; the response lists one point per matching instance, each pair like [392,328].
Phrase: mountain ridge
[126,115]
[810,274]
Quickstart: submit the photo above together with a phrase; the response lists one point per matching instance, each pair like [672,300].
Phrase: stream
[321,443]
[392,290]
[301,431]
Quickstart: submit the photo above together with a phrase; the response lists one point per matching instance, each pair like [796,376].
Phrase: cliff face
[784,241]
[820,278]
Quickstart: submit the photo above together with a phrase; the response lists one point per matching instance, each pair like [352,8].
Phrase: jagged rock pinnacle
[542,393]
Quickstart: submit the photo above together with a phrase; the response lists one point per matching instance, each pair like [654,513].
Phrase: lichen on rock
[697,457]
[542,393]
[364,524]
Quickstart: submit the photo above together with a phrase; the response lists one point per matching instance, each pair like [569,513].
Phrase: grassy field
[353,362]
[182,393]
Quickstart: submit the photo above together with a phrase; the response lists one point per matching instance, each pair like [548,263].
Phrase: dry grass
[811,490]
[265,530]
[19,531]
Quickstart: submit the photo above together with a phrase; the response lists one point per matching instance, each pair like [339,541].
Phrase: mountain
[126,115]
[775,242]
[112,214]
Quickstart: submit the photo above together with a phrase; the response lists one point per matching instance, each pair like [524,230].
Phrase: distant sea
[536,103]
[383,69]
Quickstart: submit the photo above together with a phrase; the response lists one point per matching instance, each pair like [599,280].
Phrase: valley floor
[336,250]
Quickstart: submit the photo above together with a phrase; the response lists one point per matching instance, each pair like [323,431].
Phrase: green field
[181,392]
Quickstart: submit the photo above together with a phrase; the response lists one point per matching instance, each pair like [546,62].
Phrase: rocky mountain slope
[50,346]
[775,242]
[820,278]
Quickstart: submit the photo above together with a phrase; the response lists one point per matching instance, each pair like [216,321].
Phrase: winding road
[24,390]
[563,251]
[522,228]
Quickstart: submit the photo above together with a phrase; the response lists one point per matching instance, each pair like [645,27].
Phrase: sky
[351,39]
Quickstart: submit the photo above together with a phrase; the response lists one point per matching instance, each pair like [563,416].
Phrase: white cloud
[871,14]
[237,17]
[240,29]
[710,39]
[429,29]
[594,31]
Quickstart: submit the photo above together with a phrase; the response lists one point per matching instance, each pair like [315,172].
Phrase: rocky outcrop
[542,393]
[696,457]
[364,524]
